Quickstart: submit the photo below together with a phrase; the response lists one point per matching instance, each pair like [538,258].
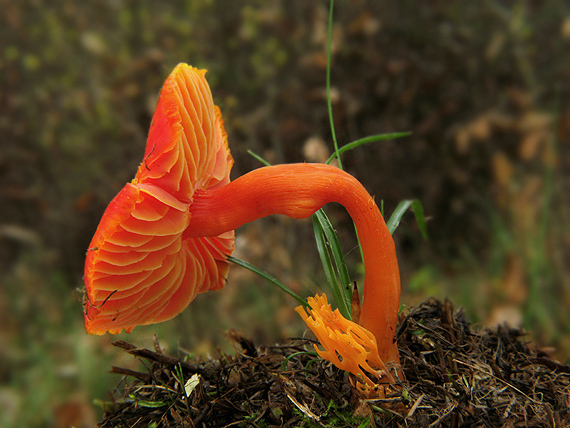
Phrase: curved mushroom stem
[298,191]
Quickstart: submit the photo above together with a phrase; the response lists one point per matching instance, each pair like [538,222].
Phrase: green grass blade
[401,209]
[259,158]
[329,100]
[328,267]
[338,256]
[418,210]
[340,284]
[367,140]
[148,404]
[267,277]
[296,354]
[394,220]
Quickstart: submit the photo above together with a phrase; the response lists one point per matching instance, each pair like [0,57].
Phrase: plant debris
[454,376]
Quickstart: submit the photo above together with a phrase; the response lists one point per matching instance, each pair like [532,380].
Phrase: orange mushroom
[144,263]
[298,191]
[139,269]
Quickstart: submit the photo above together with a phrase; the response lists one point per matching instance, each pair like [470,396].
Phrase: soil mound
[455,376]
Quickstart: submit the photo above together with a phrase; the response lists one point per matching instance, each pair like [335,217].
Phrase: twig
[159,358]
[145,377]
[415,406]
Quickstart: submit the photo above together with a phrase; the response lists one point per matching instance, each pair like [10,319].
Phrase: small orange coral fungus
[347,345]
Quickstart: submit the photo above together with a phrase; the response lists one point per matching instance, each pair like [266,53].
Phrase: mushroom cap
[140,268]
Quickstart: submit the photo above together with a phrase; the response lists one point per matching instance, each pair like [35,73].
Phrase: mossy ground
[455,375]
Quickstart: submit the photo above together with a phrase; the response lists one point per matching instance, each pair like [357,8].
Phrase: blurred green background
[483,86]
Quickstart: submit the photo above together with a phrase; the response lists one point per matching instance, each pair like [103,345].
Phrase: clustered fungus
[346,344]
[167,235]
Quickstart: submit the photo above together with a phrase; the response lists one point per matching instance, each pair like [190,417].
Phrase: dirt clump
[455,376]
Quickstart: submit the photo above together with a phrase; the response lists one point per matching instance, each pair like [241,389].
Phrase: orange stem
[298,191]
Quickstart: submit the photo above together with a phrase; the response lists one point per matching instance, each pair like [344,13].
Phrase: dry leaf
[315,150]
[478,129]
[510,315]
[530,145]
[502,169]
[191,384]
[366,24]
[519,97]
[495,46]
[533,121]
[565,28]
[514,281]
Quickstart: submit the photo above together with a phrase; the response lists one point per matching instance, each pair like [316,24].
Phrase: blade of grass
[296,354]
[148,404]
[328,267]
[394,220]
[259,158]
[367,140]
[267,277]
[399,212]
[338,256]
[329,100]
[418,210]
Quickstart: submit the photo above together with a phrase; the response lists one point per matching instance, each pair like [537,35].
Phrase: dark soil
[456,376]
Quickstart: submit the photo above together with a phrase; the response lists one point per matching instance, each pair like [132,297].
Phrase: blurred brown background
[483,86]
